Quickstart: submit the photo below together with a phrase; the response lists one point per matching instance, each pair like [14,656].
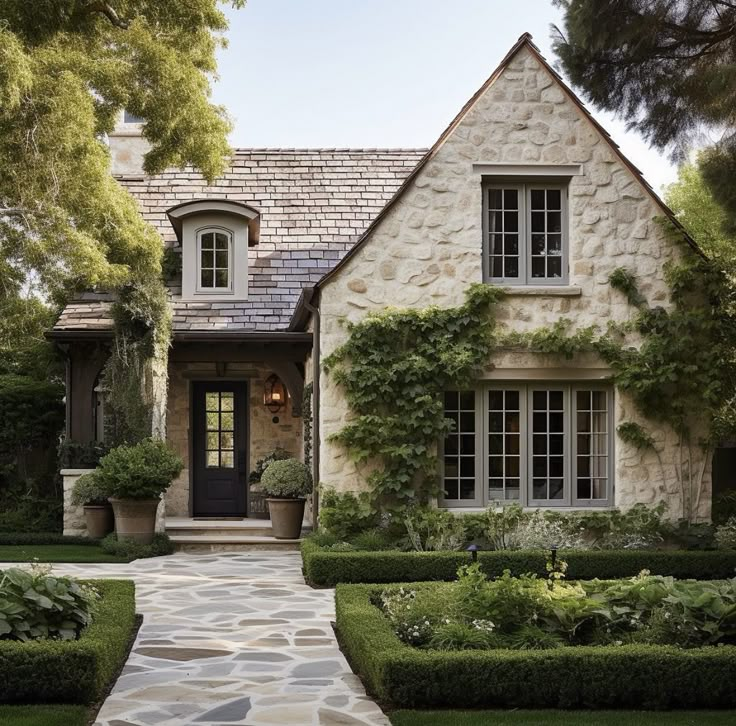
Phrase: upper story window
[215,235]
[525,233]
[215,260]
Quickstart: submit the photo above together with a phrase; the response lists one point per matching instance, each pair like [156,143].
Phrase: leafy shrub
[625,676]
[462,636]
[87,490]
[29,512]
[344,514]
[724,506]
[34,604]
[725,535]
[320,538]
[77,455]
[637,527]
[538,531]
[140,471]
[430,529]
[372,540]
[288,478]
[277,454]
[72,671]
[528,613]
[130,550]
[532,637]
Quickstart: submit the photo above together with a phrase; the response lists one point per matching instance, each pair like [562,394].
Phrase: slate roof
[314,204]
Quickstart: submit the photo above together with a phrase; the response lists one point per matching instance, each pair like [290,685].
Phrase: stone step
[198,531]
[218,542]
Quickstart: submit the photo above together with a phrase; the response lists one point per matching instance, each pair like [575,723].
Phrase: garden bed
[74,671]
[611,676]
[325,568]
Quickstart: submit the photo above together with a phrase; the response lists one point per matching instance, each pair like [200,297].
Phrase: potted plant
[286,484]
[88,493]
[135,477]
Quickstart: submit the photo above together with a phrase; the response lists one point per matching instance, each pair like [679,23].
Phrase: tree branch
[99,6]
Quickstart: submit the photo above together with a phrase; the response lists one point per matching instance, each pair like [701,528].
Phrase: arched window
[215,256]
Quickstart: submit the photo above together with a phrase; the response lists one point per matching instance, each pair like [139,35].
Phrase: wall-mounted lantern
[274,394]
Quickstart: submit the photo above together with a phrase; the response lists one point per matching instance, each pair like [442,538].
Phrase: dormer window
[215,260]
[215,235]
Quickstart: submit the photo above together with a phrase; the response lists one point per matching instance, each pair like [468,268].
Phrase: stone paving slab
[231,638]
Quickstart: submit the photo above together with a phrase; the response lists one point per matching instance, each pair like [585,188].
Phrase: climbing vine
[307,423]
[135,377]
[394,368]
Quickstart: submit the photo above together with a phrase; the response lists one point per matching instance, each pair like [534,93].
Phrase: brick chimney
[127,146]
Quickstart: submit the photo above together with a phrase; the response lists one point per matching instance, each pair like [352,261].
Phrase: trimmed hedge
[630,676]
[79,671]
[44,538]
[323,568]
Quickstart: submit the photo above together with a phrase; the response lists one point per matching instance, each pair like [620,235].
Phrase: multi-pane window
[591,445]
[525,233]
[540,444]
[459,449]
[504,444]
[214,260]
[220,430]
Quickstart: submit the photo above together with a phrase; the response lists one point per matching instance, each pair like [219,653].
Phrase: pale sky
[378,73]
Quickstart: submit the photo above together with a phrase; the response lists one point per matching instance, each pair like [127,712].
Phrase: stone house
[524,190]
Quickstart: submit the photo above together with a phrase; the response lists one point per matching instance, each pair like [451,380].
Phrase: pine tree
[668,67]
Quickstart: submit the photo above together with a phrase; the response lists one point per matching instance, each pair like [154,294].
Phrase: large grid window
[215,258]
[540,444]
[525,233]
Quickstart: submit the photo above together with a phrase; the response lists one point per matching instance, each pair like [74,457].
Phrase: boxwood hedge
[78,671]
[629,676]
[323,568]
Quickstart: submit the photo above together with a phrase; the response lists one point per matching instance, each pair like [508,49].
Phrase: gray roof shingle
[314,204]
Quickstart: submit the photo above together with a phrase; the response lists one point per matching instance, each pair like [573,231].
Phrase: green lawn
[560,718]
[55,553]
[44,715]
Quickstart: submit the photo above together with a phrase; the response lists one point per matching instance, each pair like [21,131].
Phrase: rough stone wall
[264,434]
[428,248]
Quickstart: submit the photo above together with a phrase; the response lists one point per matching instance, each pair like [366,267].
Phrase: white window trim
[525,387]
[524,278]
[191,229]
[230,257]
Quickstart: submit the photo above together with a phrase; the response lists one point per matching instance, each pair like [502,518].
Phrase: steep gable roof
[524,41]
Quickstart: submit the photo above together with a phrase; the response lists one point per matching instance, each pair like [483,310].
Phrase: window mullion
[481,437]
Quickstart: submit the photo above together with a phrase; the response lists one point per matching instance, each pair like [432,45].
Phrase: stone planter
[99,520]
[286,517]
[135,519]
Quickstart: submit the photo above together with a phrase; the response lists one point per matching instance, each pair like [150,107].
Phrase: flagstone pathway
[231,638]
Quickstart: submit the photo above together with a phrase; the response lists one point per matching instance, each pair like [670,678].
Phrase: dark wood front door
[220,449]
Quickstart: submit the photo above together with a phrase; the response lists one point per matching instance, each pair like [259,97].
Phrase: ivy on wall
[677,366]
[135,376]
[394,368]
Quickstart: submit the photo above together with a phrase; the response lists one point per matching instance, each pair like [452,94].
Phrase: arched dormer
[215,235]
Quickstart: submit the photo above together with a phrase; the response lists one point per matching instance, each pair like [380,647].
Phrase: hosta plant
[35,604]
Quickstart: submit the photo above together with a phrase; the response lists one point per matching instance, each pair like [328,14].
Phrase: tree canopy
[668,66]
[67,69]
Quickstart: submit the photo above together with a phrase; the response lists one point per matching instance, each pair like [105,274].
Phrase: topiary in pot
[89,494]
[286,483]
[135,477]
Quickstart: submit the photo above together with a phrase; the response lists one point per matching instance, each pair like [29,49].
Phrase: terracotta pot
[99,520]
[286,517]
[135,519]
